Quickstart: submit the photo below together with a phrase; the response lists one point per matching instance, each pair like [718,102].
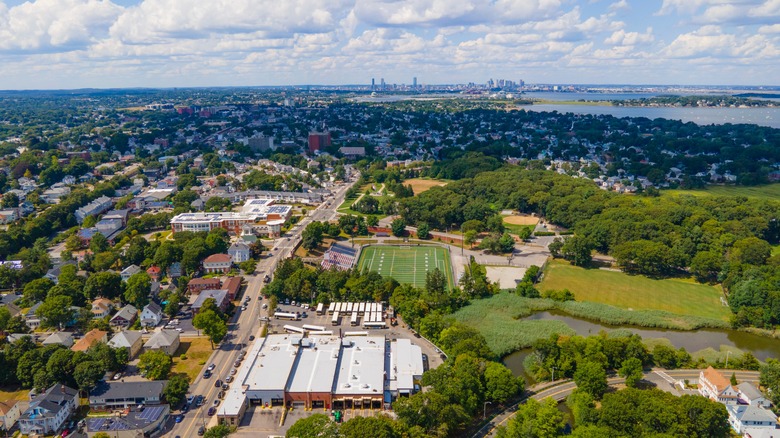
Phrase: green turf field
[406,264]
[636,292]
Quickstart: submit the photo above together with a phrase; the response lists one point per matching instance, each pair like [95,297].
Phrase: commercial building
[318,141]
[217,263]
[121,395]
[94,208]
[254,211]
[322,371]
[134,423]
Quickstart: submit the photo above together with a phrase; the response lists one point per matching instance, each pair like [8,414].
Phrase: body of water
[761,347]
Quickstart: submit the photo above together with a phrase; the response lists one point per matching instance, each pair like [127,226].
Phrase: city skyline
[61,44]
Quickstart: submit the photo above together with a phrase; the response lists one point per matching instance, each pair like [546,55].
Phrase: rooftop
[122,390]
[89,339]
[269,367]
[361,369]
[316,366]
[218,258]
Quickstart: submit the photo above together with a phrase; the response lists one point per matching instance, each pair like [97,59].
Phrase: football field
[406,264]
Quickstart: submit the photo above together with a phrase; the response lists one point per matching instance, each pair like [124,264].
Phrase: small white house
[742,417]
[239,252]
[151,315]
[750,395]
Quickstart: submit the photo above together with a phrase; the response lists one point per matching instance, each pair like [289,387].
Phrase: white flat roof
[362,366]
[406,362]
[316,368]
[270,366]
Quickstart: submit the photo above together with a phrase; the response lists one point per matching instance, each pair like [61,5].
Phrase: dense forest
[715,239]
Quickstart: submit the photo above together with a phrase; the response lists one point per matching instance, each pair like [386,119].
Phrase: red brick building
[196,285]
[318,141]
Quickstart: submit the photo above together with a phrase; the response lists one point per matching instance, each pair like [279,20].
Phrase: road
[561,389]
[247,323]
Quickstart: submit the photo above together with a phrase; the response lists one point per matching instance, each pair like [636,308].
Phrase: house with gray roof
[125,317]
[239,251]
[742,417]
[129,339]
[129,272]
[750,395]
[48,412]
[59,338]
[151,315]
[220,296]
[165,340]
[31,317]
[121,395]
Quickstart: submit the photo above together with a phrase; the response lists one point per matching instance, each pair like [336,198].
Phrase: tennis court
[406,264]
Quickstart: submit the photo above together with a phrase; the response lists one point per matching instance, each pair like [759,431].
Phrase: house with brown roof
[218,263]
[232,286]
[101,307]
[9,413]
[714,385]
[90,339]
[198,284]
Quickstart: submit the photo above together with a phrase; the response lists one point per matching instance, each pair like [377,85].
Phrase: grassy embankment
[636,292]
[769,191]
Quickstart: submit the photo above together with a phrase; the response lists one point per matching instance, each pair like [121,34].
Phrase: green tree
[469,237]
[703,418]
[55,311]
[156,364]
[423,231]
[98,243]
[769,378]
[73,243]
[5,318]
[103,284]
[706,265]
[500,384]
[218,431]
[176,389]
[506,243]
[578,250]
[167,254]
[631,370]
[751,250]
[314,426]
[87,374]
[212,325]
[312,235]
[591,378]
[138,288]
[37,290]
[398,226]
[379,426]
[101,435]
[535,420]
[248,266]
[10,200]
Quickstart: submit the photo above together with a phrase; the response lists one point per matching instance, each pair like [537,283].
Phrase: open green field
[406,264]
[636,292]
[197,350]
[769,191]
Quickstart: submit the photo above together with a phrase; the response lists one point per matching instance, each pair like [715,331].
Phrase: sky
[61,44]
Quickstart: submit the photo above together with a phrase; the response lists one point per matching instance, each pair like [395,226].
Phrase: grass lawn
[769,191]
[407,265]
[420,185]
[197,350]
[8,393]
[636,292]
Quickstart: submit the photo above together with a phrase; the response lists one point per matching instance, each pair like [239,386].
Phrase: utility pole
[484,409]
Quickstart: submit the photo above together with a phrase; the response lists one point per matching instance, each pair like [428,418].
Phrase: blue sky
[177,43]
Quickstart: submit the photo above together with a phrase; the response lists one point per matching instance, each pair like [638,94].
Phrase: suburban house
[130,271]
[121,395]
[165,340]
[713,385]
[125,317]
[220,297]
[91,338]
[59,338]
[31,318]
[196,285]
[239,251]
[53,274]
[129,339]
[232,286]
[151,315]
[48,412]
[101,307]
[9,414]
[217,263]
[750,395]
[744,417]
[175,271]
[155,273]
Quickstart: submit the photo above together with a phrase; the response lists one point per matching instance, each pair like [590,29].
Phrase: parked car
[251,337]
[218,383]
[178,418]
[117,376]
[221,394]
[211,367]
[216,402]
[199,400]
[212,411]
[233,372]
[206,374]
[225,386]
[228,379]
[237,363]
[190,399]
[201,431]
[265,305]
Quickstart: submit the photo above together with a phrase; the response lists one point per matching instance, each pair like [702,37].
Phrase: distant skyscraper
[372,83]
[414,82]
[382,83]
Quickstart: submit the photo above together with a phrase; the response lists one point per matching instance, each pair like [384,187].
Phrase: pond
[761,347]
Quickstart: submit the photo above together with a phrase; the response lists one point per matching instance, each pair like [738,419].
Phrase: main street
[247,323]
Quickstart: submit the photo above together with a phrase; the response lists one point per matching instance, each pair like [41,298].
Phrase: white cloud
[619,6]
[623,38]
[46,25]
